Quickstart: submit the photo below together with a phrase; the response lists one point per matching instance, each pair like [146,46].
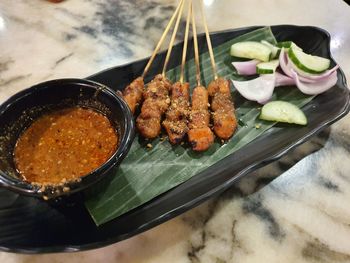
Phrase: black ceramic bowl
[19,111]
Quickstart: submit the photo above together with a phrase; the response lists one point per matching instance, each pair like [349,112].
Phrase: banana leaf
[148,172]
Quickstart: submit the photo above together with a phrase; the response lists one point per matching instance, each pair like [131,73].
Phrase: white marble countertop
[302,215]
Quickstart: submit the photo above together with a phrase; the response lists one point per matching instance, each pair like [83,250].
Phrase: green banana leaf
[148,172]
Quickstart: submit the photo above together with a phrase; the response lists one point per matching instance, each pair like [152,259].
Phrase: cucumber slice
[252,50]
[287,45]
[275,51]
[300,71]
[308,63]
[267,67]
[282,111]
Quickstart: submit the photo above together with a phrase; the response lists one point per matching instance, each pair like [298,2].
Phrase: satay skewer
[223,111]
[200,135]
[156,94]
[176,14]
[176,121]
[207,36]
[133,92]
[172,40]
[184,48]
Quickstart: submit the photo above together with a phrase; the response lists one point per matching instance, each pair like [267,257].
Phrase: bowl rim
[26,188]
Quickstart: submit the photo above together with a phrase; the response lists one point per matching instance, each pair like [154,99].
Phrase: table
[294,210]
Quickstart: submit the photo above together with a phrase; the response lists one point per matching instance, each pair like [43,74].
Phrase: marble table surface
[294,210]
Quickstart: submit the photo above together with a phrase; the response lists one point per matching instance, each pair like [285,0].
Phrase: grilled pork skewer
[156,95]
[156,102]
[224,119]
[133,92]
[176,121]
[177,115]
[200,135]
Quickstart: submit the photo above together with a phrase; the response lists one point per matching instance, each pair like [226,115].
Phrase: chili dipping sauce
[64,145]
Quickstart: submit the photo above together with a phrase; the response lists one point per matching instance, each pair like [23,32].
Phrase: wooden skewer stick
[195,43]
[210,48]
[184,49]
[172,40]
[162,39]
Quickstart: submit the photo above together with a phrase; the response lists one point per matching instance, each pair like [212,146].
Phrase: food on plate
[283,80]
[246,68]
[251,50]
[309,73]
[308,63]
[224,118]
[283,111]
[287,44]
[176,117]
[275,51]
[287,66]
[223,115]
[310,84]
[267,67]
[278,64]
[161,98]
[133,93]
[259,89]
[64,145]
[200,135]
[317,87]
[157,93]
[177,114]
[156,102]
[223,111]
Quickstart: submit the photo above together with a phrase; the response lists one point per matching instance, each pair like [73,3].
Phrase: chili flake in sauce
[64,145]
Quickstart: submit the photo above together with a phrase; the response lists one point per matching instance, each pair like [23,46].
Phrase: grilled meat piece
[133,93]
[156,102]
[177,114]
[200,135]
[225,122]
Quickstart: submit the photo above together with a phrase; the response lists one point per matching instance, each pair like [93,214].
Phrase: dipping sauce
[64,145]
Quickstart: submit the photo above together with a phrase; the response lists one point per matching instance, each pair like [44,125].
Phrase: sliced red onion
[315,87]
[283,80]
[287,66]
[311,77]
[246,67]
[284,63]
[259,89]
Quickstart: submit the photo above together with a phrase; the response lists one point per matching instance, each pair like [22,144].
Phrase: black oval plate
[28,225]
